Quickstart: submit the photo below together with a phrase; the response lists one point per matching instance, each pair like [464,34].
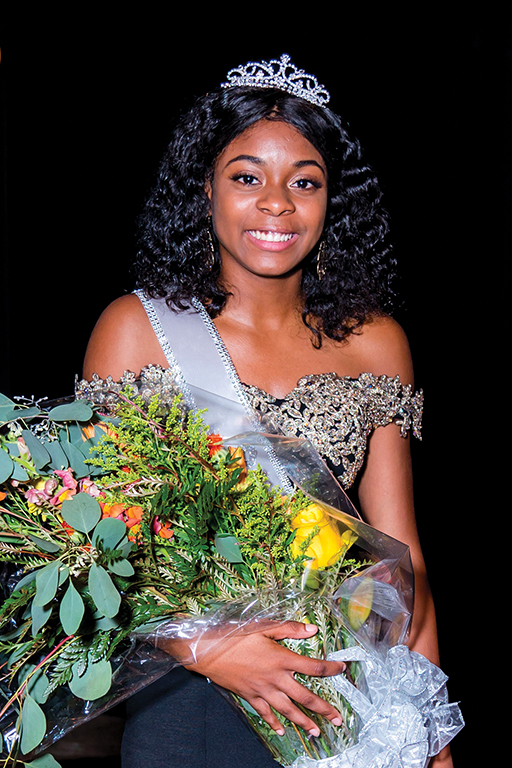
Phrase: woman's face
[268,200]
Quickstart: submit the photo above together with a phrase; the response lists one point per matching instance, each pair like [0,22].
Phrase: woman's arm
[386,494]
[122,340]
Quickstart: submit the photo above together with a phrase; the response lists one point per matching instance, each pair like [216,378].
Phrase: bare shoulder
[382,348]
[122,340]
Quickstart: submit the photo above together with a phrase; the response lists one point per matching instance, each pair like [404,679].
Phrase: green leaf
[33,725]
[47,581]
[18,653]
[106,597]
[20,413]
[82,512]
[44,761]
[95,681]
[38,452]
[37,682]
[40,615]
[6,466]
[24,581]
[71,610]
[76,411]
[228,548]
[105,624]
[59,460]
[121,568]
[46,546]
[109,531]
[76,459]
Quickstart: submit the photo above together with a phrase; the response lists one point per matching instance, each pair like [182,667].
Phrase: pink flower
[87,486]
[36,496]
[68,481]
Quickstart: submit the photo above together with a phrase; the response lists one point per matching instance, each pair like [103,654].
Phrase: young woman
[267,222]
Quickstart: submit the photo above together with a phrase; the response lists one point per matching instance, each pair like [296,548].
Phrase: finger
[289,709]
[304,665]
[267,714]
[310,700]
[290,629]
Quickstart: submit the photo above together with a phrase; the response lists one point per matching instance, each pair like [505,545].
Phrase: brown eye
[247,179]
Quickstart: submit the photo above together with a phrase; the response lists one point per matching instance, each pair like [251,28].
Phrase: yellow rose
[326,546]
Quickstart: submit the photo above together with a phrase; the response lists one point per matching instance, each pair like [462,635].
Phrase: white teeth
[271,237]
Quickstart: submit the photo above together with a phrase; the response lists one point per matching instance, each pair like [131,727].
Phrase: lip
[271,239]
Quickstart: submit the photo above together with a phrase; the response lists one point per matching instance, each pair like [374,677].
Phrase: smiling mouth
[271,237]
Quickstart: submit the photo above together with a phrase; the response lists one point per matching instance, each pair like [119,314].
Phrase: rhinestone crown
[281,74]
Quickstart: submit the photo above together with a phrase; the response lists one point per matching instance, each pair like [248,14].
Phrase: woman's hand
[260,670]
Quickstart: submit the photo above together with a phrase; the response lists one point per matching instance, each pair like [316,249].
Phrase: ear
[208,189]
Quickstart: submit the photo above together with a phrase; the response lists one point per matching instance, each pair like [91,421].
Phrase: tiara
[280,74]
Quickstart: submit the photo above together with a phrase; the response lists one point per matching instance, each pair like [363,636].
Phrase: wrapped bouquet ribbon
[405,713]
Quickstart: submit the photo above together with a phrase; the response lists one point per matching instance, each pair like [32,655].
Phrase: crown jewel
[281,74]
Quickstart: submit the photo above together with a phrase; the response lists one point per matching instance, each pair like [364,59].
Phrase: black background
[87,104]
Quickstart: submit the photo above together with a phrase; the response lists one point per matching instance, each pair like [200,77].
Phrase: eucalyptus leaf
[23,414]
[228,548]
[40,615]
[47,581]
[44,544]
[59,460]
[6,466]
[105,595]
[76,459]
[38,452]
[18,653]
[94,683]
[79,410]
[14,633]
[33,725]
[25,580]
[19,473]
[104,624]
[44,761]
[71,610]
[37,682]
[110,531]
[121,568]
[82,512]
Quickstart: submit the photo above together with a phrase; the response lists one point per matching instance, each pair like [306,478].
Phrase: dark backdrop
[87,106]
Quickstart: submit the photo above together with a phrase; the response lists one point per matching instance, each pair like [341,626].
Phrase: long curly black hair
[171,261]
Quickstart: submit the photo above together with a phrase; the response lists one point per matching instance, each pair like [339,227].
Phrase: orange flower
[113,510]
[214,444]
[133,516]
[162,529]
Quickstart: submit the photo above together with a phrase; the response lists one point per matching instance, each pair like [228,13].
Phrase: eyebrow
[259,161]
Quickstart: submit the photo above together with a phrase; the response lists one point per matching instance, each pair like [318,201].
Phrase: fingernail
[310,627]
[280,732]
[314,732]
[337,721]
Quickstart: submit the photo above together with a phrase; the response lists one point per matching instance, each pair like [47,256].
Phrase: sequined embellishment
[337,414]
[152,380]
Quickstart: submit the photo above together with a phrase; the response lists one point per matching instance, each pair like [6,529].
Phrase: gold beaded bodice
[337,414]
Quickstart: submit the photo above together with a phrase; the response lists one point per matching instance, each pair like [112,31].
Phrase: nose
[275,199]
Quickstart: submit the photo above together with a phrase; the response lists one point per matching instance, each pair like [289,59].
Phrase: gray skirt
[182,721]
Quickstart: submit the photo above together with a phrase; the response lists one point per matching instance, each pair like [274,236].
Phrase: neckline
[241,387]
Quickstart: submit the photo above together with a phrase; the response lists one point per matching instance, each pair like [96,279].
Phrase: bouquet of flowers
[124,529]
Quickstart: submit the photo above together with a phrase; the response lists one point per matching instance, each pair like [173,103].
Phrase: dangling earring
[320,260]
[209,246]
